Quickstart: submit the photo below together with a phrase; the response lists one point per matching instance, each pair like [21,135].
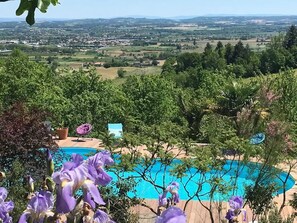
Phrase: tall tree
[208,48]
[229,49]
[153,98]
[220,49]
[291,37]
[239,52]
[188,60]
[168,66]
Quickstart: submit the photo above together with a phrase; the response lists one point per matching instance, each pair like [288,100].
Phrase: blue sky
[157,8]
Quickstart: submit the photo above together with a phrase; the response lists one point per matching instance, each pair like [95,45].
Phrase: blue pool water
[246,175]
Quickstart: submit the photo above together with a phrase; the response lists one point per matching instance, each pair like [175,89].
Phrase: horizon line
[181,17]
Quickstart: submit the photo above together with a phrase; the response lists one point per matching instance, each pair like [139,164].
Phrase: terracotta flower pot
[62,133]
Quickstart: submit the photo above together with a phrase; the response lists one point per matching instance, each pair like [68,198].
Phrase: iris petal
[3,194]
[236,202]
[8,206]
[76,160]
[65,200]
[24,217]
[104,178]
[172,215]
[92,192]
[176,198]
[102,217]
[5,207]
[163,199]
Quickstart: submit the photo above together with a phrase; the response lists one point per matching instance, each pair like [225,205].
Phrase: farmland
[173,86]
[140,46]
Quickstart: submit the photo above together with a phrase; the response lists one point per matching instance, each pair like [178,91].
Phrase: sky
[78,9]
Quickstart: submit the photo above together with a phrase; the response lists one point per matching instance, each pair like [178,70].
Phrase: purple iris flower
[163,199]
[173,189]
[236,202]
[172,215]
[3,194]
[173,186]
[102,217]
[236,205]
[5,207]
[38,208]
[230,215]
[86,174]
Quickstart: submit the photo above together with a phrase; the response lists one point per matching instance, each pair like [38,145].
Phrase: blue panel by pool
[238,174]
[116,129]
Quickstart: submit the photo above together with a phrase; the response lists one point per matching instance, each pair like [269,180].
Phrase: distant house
[144,64]
[137,64]
[5,51]
[98,64]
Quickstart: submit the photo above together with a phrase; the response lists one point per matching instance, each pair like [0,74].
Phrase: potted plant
[62,132]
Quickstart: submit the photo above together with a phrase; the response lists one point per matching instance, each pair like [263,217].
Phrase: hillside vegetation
[198,97]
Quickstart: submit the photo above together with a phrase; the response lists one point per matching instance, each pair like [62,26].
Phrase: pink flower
[270,96]
[244,115]
[274,128]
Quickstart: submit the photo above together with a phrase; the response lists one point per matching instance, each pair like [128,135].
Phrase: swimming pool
[246,175]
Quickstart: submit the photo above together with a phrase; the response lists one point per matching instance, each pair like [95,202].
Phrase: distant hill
[18,19]
[200,20]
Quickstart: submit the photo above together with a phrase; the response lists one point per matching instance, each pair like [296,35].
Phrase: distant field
[133,55]
[190,28]
[111,73]
[200,44]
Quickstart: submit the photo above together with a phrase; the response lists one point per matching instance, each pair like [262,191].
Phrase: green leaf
[31,5]
[24,5]
[43,5]
[54,2]
[30,19]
